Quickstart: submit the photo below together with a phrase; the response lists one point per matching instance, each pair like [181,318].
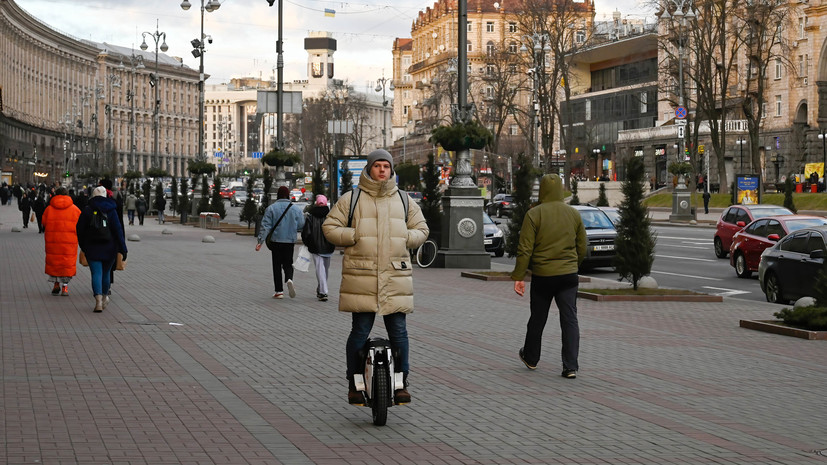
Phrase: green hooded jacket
[553,238]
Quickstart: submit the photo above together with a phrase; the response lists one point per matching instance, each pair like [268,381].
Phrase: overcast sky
[245,31]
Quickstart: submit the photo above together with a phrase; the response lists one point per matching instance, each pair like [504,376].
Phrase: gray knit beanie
[379,154]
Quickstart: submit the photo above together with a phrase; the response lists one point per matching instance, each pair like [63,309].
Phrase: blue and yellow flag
[329,12]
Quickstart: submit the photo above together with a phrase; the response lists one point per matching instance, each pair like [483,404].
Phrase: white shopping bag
[303,260]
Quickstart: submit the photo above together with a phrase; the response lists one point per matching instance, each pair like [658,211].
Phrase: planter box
[776,327]
[503,276]
[649,298]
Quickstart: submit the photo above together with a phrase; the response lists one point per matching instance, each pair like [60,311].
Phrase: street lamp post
[596,153]
[198,52]
[114,83]
[741,141]
[684,10]
[381,84]
[541,47]
[136,62]
[160,39]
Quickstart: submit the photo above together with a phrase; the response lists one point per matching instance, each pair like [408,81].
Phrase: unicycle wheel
[381,394]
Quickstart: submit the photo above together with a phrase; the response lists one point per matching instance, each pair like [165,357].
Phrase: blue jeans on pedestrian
[544,289]
[360,331]
[101,276]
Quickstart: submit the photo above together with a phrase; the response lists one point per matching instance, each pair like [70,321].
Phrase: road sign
[680,122]
[681,133]
[680,112]
[701,148]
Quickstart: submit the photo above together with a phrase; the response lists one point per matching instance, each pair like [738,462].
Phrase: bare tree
[358,112]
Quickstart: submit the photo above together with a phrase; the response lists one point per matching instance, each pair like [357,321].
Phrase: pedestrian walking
[5,194]
[706,197]
[160,205]
[60,223]
[25,206]
[38,207]
[552,245]
[281,224]
[130,203]
[100,236]
[376,271]
[319,247]
[140,209]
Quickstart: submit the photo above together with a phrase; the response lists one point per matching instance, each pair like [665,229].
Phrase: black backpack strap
[354,197]
[405,198]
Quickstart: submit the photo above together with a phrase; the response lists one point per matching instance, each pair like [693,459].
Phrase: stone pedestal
[682,203]
[462,232]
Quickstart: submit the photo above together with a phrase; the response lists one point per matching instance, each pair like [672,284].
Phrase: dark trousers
[282,255]
[544,289]
[362,323]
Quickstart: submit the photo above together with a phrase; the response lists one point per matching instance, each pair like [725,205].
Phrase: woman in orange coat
[60,222]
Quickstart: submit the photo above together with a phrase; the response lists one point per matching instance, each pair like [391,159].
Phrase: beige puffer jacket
[376,270]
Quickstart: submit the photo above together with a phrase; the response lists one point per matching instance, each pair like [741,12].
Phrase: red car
[749,243]
[227,192]
[736,217]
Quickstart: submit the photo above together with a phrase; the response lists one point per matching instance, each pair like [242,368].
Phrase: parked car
[600,234]
[788,269]
[494,239]
[749,243]
[501,204]
[239,197]
[416,196]
[734,218]
[296,195]
[613,213]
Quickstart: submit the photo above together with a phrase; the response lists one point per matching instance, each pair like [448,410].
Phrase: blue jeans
[360,331]
[101,276]
[544,289]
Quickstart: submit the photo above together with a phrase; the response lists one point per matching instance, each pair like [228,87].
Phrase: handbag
[303,260]
[270,234]
[120,263]
[82,259]
[32,218]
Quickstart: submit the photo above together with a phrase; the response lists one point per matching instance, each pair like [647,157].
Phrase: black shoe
[569,374]
[528,365]
[323,297]
[355,397]
[56,289]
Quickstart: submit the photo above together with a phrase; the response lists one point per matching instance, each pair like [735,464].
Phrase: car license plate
[604,247]
[487,241]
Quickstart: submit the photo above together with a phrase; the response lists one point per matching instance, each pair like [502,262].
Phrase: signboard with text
[747,189]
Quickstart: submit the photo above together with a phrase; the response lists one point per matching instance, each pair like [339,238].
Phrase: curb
[776,327]
[649,298]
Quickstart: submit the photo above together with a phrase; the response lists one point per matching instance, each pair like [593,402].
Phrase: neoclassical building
[77,107]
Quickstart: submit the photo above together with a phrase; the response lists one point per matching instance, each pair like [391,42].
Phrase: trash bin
[799,187]
[209,220]
[813,187]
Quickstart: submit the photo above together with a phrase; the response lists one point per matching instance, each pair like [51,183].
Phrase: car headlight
[499,233]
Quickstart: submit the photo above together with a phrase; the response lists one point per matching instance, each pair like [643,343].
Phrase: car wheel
[719,248]
[500,212]
[741,268]
[772,289]
[499,252]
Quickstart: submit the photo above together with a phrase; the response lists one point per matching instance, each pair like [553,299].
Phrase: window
[801,66]
[777,105]
[802,24]
[489,92]
[643,100]
[580,37]
[406,78]
[490,48]
[470,48]
[512,27]
[406,61]
[489,70]
[764,110]
[469,26]
[489,26]
[778,68]
[513,130]
[406,110]
[758,228]
[512,47]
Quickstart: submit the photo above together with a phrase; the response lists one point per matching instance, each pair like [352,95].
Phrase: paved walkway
[194,363]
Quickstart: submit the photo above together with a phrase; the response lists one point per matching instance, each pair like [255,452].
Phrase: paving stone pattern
[242,378]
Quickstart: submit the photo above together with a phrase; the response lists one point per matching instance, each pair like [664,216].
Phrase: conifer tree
[523,182]
[432,197]
[173,194]
[575,200]
[268,184]
[204,202]
[249,210]
[217,202]
[602,200]
[788,195]
[635,242]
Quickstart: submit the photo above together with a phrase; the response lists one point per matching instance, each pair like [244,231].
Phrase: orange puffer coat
[59,221]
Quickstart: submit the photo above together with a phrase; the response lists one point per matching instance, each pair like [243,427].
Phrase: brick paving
[194,363]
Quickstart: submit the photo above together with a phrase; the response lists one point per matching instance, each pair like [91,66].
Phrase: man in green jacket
[553,245]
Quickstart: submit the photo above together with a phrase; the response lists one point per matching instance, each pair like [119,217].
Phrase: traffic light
[66,175]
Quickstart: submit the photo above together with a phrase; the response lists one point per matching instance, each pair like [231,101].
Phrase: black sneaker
[569,374]
[323,297]
[528,365]
[56,289]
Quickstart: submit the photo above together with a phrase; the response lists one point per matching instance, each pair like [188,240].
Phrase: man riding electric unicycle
[376,279]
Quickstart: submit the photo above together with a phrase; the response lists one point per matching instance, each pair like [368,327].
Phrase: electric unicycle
[379,380]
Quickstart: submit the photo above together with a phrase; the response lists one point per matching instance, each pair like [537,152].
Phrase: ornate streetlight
[136,62]
[741,141]
[198,52]
[381,84]
[154,81]
[114,82]
[540,48]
